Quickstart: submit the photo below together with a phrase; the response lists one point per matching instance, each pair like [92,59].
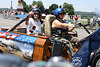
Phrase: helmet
[36,10]
[32,10]
[58,10]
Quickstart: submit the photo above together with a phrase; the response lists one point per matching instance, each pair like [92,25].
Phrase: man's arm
[58,24]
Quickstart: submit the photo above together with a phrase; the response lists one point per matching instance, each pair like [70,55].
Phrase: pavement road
[6,22]
[9,23]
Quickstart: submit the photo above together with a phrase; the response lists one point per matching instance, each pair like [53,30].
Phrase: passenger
[45,13]
[61,28]
[34,24]
[43,18]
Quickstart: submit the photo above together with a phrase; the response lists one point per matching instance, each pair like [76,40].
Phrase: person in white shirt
[93,24]
[34,24]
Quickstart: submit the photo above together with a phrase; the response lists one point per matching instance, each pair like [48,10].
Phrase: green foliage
[53,7]
[68,8]
[40,5]
[34,3]
[28,8]
[85,15]
[25,6]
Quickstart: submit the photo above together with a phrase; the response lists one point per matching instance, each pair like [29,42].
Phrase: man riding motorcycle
[61,29]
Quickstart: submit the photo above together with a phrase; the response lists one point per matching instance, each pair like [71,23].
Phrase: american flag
[8,35]
[25,38]
[18,37]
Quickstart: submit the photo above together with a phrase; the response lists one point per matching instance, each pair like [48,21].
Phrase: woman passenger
[34,24]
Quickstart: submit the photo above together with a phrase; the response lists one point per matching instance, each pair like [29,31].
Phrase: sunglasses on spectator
[36,13]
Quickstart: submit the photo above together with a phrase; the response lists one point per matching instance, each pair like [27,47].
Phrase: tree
[23,2]
[68,8]
[53,7]
[85,15]
[34,3]
[25,6]
[30,7]
[39,4]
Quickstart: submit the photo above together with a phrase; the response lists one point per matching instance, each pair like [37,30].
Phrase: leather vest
[61,32]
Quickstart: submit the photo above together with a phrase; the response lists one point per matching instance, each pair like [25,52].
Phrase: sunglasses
[36,13]
[61,13]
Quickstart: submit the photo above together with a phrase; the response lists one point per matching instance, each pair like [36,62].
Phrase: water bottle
[36,32]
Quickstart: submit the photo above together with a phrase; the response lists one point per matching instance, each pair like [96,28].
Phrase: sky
[79,5]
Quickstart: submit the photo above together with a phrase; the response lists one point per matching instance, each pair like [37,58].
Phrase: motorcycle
[88,53]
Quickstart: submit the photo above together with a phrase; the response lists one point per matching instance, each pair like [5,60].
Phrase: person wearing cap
[33,22]
[45,13]
[43,16]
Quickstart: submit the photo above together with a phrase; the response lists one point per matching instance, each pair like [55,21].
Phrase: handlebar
[80,24]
